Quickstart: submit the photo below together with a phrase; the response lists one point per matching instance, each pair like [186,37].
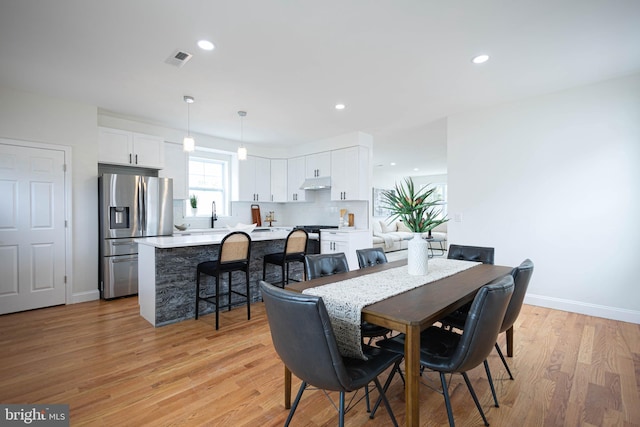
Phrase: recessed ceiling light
[340,106]
[480,59]
[392,163]
[416,169]
[205,45]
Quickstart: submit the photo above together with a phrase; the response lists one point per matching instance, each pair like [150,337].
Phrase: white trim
[68,197]
[84,296]
[614,313]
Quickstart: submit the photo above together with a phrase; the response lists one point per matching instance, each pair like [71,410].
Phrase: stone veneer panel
[176,279]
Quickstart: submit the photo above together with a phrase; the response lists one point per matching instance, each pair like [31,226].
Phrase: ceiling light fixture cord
[188,143]
[242,151]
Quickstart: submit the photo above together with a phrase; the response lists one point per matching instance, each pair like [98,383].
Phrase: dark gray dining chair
[481,254]
[320,265]
[445,351]
[309,349]
[369,257]
[521,278]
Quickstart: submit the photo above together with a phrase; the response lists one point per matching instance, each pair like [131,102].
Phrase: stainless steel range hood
[316,183]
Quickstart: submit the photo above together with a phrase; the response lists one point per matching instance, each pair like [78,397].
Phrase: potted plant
[417,209]
[193,200]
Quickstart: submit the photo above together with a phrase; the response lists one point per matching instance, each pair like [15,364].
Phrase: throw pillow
[403,227]
[387,228]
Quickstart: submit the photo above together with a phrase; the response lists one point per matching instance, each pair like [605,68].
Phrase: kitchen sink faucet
[214,216]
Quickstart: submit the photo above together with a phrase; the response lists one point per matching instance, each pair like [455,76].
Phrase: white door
[32,229]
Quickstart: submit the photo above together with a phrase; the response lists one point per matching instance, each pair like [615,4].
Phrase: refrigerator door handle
[142,197]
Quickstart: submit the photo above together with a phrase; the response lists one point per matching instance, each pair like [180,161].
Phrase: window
[209,182]
[440,196]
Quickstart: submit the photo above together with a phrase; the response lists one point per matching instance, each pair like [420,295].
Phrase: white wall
[556,179]
[30,117]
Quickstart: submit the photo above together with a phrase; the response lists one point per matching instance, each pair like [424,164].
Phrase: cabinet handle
[136,159]
[130,159]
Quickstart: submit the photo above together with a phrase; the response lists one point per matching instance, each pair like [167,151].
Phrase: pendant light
[242,151]
[188,143]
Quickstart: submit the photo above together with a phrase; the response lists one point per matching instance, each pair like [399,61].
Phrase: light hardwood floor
[115,369]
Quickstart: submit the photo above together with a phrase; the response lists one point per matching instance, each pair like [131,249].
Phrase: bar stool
[234,255]
[294,250]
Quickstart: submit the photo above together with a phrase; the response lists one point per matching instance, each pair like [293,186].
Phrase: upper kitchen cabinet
[296,173]
[318,165]
[350,174]
[278,180]
[175,167]
[122,147]
[254,175]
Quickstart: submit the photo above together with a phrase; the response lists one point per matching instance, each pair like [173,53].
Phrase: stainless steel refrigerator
[130,207]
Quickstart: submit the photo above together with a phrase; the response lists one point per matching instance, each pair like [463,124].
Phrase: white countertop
[212,238]
[344,230]
[223,230]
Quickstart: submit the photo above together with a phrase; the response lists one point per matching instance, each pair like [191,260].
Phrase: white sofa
[395,236]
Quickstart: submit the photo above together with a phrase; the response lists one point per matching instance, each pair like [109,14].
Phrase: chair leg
[341,410]
[287,273]
[217,299]
[366,397]
[475,398]
[504,361]
[197,292]
[229,294]
[447,400]
[248,294]
[396,368]
[284,280]
[383,396]
[303,386]
[493,389]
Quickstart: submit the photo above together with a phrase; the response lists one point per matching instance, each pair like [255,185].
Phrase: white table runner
[346,299]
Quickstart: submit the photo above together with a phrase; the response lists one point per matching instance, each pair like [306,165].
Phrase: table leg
[287,388]
[412,374]
[510,341]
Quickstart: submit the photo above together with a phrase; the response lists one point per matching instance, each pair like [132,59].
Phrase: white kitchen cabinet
[175,167]
[350,174]
[278,180]
[120,147]
[254,176]
[347,241]
[318,164]
[295,177]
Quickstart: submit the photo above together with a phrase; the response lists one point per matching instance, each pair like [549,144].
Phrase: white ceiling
[398,65]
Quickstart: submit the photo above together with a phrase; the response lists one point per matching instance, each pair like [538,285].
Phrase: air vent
[179,58]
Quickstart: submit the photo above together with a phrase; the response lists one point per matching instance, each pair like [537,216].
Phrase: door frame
[68,196]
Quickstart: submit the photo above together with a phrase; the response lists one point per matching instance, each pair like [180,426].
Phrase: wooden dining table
[410,313]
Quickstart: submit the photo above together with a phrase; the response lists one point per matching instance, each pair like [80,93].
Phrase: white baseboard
[614,313]
[84,296]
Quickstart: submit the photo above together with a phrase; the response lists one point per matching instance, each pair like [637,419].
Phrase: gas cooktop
[314,228]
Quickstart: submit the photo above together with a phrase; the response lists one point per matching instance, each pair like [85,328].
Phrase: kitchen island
[167,272]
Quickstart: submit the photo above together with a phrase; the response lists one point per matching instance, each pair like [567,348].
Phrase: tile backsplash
[318,209]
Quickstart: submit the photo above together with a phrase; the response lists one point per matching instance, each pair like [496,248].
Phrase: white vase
[194,211]
[418,255]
